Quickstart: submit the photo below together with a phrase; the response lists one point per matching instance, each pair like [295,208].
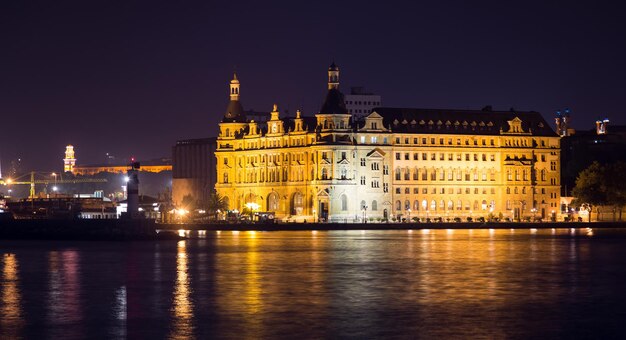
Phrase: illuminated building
[394,163]
[69,161]
[154,165]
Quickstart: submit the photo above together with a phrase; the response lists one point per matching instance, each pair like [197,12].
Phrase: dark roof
[333,67]
[234,113]
[444,121]
[334,103]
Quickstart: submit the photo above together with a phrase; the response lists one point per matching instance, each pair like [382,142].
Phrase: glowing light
[126,179]
[235,232]
[425,231]
[181,232]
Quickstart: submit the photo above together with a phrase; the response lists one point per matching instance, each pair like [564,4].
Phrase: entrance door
[323,211]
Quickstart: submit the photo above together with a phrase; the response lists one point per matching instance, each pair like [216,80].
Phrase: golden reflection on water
[11,318]
[182,308]
[64,292]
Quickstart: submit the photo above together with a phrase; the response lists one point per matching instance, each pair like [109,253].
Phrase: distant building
[360,102]
[603,144]
[69,162]
[153,165]
[193,169]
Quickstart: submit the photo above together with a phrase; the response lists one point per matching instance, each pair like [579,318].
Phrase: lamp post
[364,214]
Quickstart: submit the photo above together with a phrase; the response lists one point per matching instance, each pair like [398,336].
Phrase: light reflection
[425,231]
[11,320]
[182,309]
[181,232]
[235,232]
[64,304]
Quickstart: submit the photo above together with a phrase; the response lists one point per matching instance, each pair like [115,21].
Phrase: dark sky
[130,78]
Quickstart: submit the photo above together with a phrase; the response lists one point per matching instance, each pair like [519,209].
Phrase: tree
[602,185]
[216,203]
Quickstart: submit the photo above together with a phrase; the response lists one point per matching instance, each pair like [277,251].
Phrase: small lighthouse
[132,189]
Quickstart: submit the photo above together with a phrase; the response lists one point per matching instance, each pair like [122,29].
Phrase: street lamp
[364,214]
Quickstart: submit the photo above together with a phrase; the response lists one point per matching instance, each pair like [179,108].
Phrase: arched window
[450,205]
[324,173]
[484,205]
[416,205]
[227,132]
[475,205]
[442,205]
[226,202]
[296,205]
[363,205]
[433,205]
[407,205]
[344,202]
[508,190]
[374,205]
[459,205]
[226,177]
[398,205]
[272,202]
[425,204]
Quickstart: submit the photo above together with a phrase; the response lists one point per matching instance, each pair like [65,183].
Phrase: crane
[47,181]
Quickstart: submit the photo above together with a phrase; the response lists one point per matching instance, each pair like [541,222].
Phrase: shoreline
[387,226]
[149,230]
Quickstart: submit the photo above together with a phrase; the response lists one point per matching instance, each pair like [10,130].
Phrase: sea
[389,284]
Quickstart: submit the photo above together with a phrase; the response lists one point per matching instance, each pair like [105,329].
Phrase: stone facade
[395,163]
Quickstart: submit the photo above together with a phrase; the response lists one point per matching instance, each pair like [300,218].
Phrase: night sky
[130,78]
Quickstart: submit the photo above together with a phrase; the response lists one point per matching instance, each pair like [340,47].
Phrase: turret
[70,160]
[333,76]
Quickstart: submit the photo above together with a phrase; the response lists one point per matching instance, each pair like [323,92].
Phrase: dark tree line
[602,185]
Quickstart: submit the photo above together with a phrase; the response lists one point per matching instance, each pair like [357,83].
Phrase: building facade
[393,164]
[193,169]
[360,103]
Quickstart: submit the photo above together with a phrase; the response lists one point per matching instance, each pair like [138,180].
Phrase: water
[339,284]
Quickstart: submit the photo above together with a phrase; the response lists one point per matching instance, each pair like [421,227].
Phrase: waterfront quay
[385,226]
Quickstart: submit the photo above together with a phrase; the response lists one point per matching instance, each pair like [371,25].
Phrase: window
[362,161]
[397,156]
[398,205]
[375,166]
[432,141]
[424,156]
[416,191]
[398,191]
[415,156]
[407,190]
[414,140]
[406,141]
[424,175]
[385,169]
[375,184]
[343,155]
[467,157]
[433,205]
[385,187]
[406,156]
[225,161]
[433,156]
[374,205]
[344,202]
[492,158]
[475,157]
[225,177]
[441,141]
[450,156]
[398,174]
[362,139]
[374,139]
[433,175]
[362,180]
[442,156]
[407,174]
[423,140]
[407,205]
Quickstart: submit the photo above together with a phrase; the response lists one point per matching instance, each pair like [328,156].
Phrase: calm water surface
[339,284]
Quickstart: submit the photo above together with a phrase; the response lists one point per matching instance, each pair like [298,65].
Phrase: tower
[333,76]
[234,119]
[69,161]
